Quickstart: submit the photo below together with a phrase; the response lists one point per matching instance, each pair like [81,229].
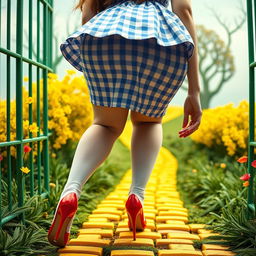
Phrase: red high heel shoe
[135,214]
[67,208]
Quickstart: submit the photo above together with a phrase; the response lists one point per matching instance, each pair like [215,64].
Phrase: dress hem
[130,107]
[74,42]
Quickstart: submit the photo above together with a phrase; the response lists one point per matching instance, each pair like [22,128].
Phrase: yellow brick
[92,219]
[183,236]
[178,253]
[116,197]
[165,218]
[182,247]
[107,210]
[96,236]
[131,253]
[154,211]
[124,224]
[180,204]
[167,208]
[172,213]
[81,249]
[152,207]
[141,234]
[112,201]
[173,194]
[214,247]
[106,215]
[167,231]
[114,205]
[149,198]
[89,241]
[138,241]
[75,254]
[175,222]
[109,225]
[148,203]
[147,215]
[172,226]
[118,230]
[204,231]
[206,235]
[168,200]
[102,232]
[195,227]
[167,241]
[217,253]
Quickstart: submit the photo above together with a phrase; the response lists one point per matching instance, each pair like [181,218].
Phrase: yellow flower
[25,169]
[29,100]
[53,155]
[71,72]
[52,185]
[52,75]
[25,124]
[45,215]
[223,165]
[224,126]
[25,79]
[194,170]
[33,128]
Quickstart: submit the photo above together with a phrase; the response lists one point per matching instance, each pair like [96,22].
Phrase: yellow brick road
[167,232]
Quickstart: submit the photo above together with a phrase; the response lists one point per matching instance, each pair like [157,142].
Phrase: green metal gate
[251,23]
[35,18]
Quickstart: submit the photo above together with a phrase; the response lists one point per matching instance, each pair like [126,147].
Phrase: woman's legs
[94,147]
[145,145]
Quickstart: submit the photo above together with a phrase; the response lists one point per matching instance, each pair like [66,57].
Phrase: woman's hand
[192,108]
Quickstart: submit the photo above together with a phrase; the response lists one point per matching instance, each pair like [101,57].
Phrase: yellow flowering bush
[69,111]
[225,126]
[27,127]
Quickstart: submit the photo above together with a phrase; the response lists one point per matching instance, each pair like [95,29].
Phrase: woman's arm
[87,12]
[183,9]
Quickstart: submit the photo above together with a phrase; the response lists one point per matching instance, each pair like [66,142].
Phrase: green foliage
[23,241]
[213,195]
[236,231]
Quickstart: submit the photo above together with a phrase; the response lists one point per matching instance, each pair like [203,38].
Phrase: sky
[235,90]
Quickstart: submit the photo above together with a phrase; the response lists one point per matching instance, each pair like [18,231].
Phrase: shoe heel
[65,211]
[133,218]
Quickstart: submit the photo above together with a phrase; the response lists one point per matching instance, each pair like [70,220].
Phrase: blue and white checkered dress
[141,75]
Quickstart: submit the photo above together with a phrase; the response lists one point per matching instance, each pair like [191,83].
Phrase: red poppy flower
[245,176]
[1,158]
[242,159]
[253,163]
[27,149]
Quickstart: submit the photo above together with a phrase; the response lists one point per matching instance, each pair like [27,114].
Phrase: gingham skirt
[140,75]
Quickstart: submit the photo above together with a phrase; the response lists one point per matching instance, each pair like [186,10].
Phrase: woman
[134,55]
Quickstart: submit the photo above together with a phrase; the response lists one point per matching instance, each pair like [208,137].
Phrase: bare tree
[215,58]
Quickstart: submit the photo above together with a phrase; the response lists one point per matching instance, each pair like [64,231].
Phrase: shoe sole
[61,239]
